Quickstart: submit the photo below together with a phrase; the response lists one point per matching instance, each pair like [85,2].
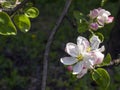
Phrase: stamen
[80,57]
[88,49]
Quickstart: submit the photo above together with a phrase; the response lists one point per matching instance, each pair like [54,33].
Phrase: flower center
[80,57]
[88,49]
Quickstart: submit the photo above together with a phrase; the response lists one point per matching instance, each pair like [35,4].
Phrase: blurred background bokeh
[21,56]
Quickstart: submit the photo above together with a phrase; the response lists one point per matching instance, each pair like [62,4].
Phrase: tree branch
[115,62]
[49,42]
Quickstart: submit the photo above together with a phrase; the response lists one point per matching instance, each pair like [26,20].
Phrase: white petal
[100,20]
[68,60]
[88,61]
[82,43]
[98,57]
[77,67]
[108,13]
[72,49]
[103,11]
[95,42]
[82,73]
[102,49]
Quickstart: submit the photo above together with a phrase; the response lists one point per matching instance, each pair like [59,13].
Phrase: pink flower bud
[69,68]
[94,13]
[94,26]
[110,19]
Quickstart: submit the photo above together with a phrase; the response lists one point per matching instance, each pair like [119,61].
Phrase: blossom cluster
[99,17]
[84,55]
[8,4]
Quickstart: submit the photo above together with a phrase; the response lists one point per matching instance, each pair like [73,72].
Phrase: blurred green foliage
[22,55]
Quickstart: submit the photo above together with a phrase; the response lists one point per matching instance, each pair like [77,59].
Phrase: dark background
[21,56]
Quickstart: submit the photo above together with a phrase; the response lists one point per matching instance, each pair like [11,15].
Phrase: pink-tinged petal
[72,49]
[68,60]
[98,56]
[110,19]
[94,26]
[101,20]
[70,68]
[94,13]
[103,11]
[77,67]
[82,73]
[82,43]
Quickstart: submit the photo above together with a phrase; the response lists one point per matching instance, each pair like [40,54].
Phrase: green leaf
[101,77]
[100,35]
[32,12]
[22,22]
[78,15]
[107,60]
[81,21]
[82,26]
[6,25]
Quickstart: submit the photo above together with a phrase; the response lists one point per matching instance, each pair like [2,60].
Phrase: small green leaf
[107,60]
[32,12]
[81,21]
[82,26]
[100,35]
[78,15]
[6,25]
[22,22]
[101,77]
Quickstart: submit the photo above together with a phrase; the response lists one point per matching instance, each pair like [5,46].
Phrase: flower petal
[100,20]
[103,11]
[95,42]
[82,73]
[98,57]
[82,43]
[72,49]
[88,61]
[77,67]
[110,19]
[68,60]
[94,13]
[94,26]
[102,49]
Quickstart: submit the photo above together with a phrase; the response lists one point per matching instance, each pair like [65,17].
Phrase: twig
[115,62]
[49,42]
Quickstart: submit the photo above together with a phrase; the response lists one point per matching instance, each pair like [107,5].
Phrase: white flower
[82,56]
[96,51]
[99,17]
[103,16]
